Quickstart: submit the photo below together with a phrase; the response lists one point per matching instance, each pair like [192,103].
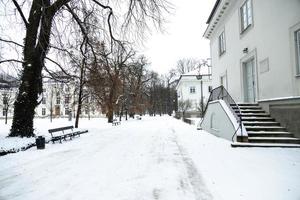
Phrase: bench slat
[60,129]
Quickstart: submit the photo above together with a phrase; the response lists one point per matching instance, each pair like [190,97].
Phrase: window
[222,47]
[5,99]
[43,111]
[67,99]
[58,100]
[67,111]
[192,90]
[246,15]
[297,39]
[223,81]
[44,100]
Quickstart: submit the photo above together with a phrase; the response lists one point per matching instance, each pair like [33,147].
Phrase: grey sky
[183,37]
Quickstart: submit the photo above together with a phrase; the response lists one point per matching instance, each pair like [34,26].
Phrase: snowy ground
[153,158]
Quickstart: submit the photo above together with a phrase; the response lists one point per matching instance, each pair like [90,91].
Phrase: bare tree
[8,98]
[42,16]
[186,65]
[108,87]
[183,106]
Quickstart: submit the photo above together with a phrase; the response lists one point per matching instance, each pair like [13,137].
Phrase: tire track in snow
[194,177]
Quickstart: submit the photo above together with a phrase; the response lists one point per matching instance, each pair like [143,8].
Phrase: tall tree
[38,29]
[186,65]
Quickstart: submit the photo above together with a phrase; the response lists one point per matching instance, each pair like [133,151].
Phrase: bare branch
[61,68]
[20,12]
[10,41]
[110,15]
[11,60]
[57,5]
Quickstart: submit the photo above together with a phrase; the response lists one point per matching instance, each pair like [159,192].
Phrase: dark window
[192,90]
[222,47]
[43,111]
[246,15]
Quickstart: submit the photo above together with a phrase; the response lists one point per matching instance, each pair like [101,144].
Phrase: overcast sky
[183,37]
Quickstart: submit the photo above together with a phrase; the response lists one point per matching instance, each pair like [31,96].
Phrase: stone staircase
[263,131]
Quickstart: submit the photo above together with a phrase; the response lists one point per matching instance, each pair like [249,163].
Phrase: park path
[137,160]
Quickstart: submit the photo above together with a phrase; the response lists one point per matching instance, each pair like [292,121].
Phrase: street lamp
[199,77]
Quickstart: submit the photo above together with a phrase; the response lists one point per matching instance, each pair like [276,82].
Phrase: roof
[205,71]
[213,11]
[219,9]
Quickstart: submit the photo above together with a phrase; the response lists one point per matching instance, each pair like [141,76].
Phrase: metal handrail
[221,93]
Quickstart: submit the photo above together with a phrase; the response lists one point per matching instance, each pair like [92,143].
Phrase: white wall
[270,37]
[183,90]
[220,121]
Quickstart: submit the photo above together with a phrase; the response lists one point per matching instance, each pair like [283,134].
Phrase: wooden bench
[115,122]
[64,133]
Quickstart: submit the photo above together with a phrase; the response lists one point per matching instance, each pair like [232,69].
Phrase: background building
[57,100]
[193,88]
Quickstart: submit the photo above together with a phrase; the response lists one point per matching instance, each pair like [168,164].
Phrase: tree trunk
[110,115]
[26,101]
[36,45]
[6,111]
[80,93]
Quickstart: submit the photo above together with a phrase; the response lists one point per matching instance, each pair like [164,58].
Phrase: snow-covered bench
[115,122]
[64,133]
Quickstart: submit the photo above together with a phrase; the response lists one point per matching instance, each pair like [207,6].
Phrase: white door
[249,81]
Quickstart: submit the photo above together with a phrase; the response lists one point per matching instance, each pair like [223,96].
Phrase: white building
[60,99]
[255,51]
[190,88]
[255,48]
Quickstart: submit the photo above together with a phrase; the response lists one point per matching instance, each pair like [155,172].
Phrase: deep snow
[152,158]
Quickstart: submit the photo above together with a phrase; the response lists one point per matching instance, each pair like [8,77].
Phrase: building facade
[195,89]
[255,51]
[255,48]
[57,100]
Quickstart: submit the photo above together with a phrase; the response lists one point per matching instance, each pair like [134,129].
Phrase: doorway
[249,81]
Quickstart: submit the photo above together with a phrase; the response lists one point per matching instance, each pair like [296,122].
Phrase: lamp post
[199,77]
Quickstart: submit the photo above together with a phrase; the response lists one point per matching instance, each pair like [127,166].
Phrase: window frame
[222,43]
[246,15]
[192,90]
[43,111]
[297,49]
[58,100]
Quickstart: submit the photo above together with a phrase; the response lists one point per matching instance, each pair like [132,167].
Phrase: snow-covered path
[137,160]
[155,158]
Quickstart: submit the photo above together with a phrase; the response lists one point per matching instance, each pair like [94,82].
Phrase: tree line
[89,41]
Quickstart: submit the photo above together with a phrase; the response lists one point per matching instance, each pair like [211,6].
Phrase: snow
[280,98]
[152,158]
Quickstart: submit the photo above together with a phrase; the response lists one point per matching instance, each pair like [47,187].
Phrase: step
[254,115]
[247,107]
[260,123]
[269,134]
[261,118]
[287,140]
[265,128]
[251,111]
[239,144]
[247,104]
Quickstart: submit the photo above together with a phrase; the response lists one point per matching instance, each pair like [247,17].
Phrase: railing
[221,93]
